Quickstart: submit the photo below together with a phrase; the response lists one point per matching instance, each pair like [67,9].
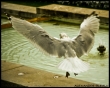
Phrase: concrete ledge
[18,10]
[37,78]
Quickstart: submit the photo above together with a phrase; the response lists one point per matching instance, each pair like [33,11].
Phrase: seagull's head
[63,35]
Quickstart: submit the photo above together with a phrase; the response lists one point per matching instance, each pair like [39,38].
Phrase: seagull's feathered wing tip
[74,65]
[90,23]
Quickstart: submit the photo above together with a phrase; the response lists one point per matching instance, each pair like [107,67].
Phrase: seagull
[71,49]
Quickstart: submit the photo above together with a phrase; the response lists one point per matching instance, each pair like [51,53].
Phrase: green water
[16,48]
[4,21]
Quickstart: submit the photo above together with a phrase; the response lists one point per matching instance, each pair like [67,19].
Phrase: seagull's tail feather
[91,23]
[74,65]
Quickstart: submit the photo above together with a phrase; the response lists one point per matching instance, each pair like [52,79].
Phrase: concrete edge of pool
[20,75]
[9,25]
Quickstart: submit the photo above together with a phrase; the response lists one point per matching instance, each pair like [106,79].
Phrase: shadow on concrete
[9,84]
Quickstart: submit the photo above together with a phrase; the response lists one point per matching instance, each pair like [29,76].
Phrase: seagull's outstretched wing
[40,38]
[84,42]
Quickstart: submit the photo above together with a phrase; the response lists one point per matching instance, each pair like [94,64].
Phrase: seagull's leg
[67,74]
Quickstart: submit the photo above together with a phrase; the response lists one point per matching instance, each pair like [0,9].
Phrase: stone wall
[19,13]
[68,15]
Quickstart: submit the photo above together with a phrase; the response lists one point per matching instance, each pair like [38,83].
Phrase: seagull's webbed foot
[75,74]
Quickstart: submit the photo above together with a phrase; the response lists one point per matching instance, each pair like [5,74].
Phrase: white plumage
[74,65]
[70,49]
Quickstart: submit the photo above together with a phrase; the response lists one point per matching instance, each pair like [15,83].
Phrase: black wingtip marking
[8,15]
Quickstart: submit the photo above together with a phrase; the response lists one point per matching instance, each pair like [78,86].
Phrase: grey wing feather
[40,38]
[84,42]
